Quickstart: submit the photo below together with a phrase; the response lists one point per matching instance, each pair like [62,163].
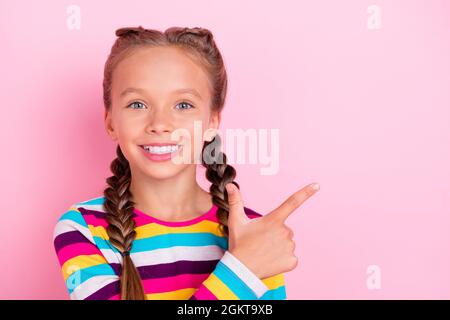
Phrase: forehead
[161,71]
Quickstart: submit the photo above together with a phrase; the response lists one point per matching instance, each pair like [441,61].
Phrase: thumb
[236,215]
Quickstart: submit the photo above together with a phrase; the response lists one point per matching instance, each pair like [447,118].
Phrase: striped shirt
[175,260]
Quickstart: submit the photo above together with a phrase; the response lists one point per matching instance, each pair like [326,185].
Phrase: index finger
[293,202]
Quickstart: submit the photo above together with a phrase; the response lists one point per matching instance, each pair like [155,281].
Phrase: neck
[176,198]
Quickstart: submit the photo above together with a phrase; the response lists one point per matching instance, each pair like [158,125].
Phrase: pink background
[366,113]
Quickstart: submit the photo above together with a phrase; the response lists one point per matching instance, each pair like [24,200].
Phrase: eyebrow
[142,91]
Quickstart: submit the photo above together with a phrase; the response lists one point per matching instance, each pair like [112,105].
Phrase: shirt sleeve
[86,272]
[232,280]
[88,275]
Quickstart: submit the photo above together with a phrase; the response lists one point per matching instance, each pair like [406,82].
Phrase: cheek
[195,127]
[128,129]
[196,130]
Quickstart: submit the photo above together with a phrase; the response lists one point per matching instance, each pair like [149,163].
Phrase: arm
[88,275]
[86,272]
[232,280]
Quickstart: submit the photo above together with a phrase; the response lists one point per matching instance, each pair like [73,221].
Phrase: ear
[214,122]
[108,126]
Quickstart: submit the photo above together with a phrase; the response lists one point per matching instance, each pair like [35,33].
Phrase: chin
[161,170]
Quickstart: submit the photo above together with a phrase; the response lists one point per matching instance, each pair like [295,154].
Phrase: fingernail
[229,188]
[316,186]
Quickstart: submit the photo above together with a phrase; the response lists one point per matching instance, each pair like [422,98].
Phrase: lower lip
[160,157]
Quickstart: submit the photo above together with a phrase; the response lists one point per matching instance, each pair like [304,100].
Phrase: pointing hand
[264,244]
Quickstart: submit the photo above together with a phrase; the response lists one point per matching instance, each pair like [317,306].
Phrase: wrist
[247,276]
[248,265]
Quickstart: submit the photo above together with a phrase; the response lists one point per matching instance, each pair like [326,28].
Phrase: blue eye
[134,103]
[186,104]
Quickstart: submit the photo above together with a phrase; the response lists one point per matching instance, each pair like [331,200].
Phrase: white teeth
[161,150]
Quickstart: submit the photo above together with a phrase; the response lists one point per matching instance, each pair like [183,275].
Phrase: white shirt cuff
[244,273]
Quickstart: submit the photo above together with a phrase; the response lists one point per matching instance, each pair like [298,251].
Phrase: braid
[219,173]
[119,209]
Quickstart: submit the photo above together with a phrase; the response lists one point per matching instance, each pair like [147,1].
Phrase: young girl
[155,233]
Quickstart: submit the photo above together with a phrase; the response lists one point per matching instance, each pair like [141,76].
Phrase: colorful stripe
[175,260]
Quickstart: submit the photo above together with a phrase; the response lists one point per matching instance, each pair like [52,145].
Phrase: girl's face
[156,91]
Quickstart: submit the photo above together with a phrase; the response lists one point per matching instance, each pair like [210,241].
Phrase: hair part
[198,43]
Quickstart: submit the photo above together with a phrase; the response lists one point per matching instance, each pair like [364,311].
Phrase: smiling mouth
[161,149]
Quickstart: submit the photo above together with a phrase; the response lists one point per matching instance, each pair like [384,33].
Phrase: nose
[160,122]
